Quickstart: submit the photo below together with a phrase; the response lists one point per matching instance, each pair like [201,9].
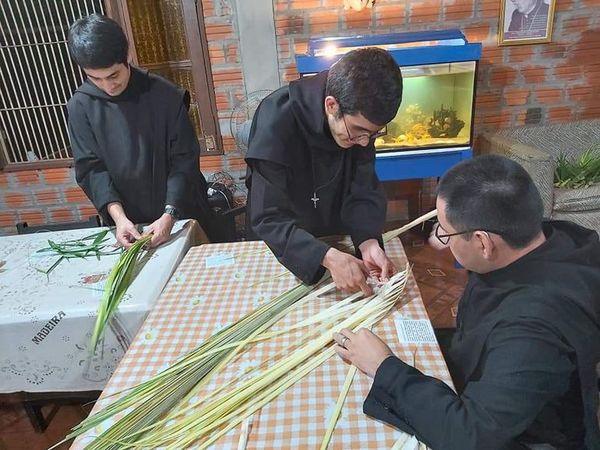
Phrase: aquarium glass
[436,109]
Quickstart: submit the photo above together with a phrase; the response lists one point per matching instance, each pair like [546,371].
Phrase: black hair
[493,193]
[366,81]
[97,42]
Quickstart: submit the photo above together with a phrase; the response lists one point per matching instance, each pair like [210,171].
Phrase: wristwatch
[172,211]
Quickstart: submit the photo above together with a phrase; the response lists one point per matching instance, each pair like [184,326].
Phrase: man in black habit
[523,357]
[311,168]
[135,150]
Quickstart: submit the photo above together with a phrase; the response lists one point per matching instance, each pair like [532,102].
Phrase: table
[46,320]
[198,301]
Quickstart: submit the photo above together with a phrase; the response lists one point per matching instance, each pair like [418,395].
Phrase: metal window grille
[37,77]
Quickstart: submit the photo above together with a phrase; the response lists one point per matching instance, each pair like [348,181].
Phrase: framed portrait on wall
[525,21]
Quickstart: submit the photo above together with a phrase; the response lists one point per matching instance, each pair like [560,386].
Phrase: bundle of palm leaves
[118,281]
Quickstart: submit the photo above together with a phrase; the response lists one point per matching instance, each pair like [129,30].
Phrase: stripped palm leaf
[118,281]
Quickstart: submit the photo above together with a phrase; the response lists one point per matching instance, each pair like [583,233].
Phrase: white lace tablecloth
[46,321]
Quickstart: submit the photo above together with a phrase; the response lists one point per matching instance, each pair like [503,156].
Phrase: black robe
[138,148]
[523,357]
[291,157]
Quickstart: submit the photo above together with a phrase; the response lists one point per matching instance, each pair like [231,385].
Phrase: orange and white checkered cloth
[197,302]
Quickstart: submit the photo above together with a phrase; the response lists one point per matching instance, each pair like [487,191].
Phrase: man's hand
[161,229]
[126,232]
[348,273]
[363,349]
[375,259]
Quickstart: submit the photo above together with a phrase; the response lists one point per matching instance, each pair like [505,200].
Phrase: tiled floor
[441,285]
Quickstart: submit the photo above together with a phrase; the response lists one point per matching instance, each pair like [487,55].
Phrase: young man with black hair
[524,355]
[311,168]
[135,150]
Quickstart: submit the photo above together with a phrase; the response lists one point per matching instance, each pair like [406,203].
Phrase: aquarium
[436,108]
[439,70]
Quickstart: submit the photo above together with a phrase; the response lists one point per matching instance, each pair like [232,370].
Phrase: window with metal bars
[37,78]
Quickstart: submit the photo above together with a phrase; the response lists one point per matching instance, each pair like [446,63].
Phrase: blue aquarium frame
[443,46]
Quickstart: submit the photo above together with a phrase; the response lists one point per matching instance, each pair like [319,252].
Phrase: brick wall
[41,196]
[541,83]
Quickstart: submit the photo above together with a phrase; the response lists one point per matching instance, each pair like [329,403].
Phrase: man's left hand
[161,229]
[363,349]
[375,259]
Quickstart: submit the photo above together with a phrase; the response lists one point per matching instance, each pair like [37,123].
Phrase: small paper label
[415,331]
[219,260]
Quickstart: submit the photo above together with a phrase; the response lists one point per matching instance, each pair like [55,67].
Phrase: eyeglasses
[363,138]
[445,238]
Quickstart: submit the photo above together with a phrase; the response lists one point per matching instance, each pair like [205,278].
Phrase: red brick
[492,55]
[211,163]
[520,53]
[533,74]
[75,194]
[300,46]
[289,25]
[218,31]
[564,5]
[502,76]
[575,24]
[560,114]
[428,11]
[229,144]
[62,215]
[305,4]
[568,72]
[590,112]
[548,96]
[580,93]
[358,19]
[323,21]
[290,72]
[236,164]
[27,177]
[216,53]
[3,180]
[488,8]
[32,217]
[222,100]
[57,176]
[460,10]
[390,15]
[515,97]
[477,33]
[488,100]
[282,5]
[554,51]
[17,200]
[590,3]
[227,75]
[232,54]
[47,197]
[208,9]
[8,218]
[498,120]
[86,211]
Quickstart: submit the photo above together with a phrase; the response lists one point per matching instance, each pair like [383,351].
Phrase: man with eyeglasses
[524,355]
[311,169]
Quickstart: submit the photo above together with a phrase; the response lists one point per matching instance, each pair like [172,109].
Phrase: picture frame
[525,21]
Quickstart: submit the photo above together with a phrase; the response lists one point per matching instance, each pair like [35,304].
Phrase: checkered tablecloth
[198,301]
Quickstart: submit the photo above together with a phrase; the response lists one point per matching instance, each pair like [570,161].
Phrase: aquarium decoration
[444,123]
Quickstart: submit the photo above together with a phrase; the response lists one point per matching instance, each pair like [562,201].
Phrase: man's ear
[485,245]
[331,105]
